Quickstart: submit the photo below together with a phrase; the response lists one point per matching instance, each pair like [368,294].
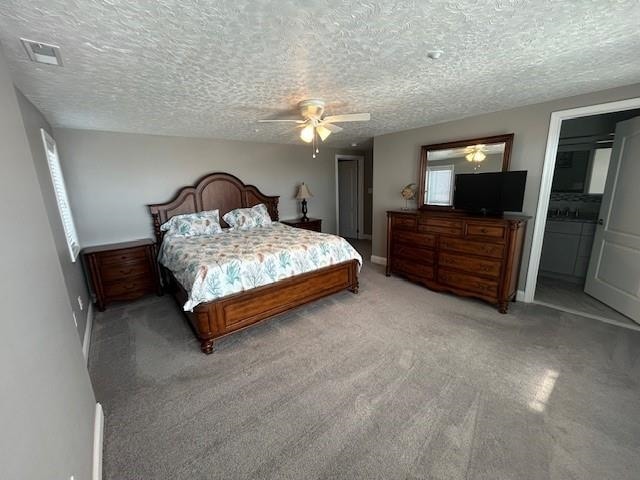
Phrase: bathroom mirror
[440,163]
[581,171]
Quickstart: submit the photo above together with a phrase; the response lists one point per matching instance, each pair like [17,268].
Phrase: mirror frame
[506,160]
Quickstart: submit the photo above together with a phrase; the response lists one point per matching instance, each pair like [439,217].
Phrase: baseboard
[379,260]
[364,236]
[520,297]
[86,341]
[98,436]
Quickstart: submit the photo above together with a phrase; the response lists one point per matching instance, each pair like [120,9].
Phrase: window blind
[62,198]
[440,185]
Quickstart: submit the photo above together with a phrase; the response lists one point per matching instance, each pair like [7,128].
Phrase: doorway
[581,194]
[349,196]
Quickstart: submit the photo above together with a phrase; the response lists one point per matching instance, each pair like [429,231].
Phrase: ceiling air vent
[42,52]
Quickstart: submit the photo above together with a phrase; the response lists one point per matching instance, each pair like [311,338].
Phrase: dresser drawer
[480,230]
[469,246]
[440,229]
[129,288]
[411,253]
[118,257]
[412,269]
[469,283]
[470,264]
[414,239]
[440,222]
[118,272]
[404,222]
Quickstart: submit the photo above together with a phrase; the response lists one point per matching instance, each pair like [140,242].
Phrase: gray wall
[368,187]
[47,403]
[112,176]
[73,275]
[396,155]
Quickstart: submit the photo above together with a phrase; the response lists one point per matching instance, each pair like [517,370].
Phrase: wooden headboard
[220,191]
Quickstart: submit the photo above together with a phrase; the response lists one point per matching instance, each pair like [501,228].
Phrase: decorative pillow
[245,218]
[193,224]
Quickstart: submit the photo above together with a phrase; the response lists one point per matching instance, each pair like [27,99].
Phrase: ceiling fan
[314,125]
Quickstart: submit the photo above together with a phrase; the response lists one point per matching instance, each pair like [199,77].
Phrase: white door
[348,198]
[614,268]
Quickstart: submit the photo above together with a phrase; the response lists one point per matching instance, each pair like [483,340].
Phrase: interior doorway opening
[578,242]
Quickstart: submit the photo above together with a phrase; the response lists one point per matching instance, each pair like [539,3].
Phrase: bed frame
[228,314]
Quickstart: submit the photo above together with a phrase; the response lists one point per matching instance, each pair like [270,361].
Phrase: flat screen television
[490,193]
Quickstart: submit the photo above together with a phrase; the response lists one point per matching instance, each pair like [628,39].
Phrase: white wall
[111,177]
[47,403]
[396,156]
[72,271]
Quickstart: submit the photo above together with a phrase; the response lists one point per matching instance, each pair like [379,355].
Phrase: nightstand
[314,224]
[122,271]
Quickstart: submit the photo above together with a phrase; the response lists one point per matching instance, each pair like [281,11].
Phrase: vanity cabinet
[468,255]
[566,248]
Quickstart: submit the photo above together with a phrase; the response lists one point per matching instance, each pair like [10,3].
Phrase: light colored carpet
[394,383]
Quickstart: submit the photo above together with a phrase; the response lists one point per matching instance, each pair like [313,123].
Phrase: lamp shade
[303,192]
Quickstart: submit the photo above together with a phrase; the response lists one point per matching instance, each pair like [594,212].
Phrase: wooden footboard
[234,312]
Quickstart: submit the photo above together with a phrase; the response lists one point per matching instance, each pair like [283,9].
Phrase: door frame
[360,164]
[547,179]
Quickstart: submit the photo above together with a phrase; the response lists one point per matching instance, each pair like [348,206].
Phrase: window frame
[450,168]
[61,195]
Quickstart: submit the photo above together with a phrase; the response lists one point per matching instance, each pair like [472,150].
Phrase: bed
[237,310]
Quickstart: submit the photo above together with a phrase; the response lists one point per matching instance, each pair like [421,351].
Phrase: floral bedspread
[213,266]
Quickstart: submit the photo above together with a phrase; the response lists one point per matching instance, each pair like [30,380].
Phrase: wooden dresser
[314,224]
[122,271]
[468,255]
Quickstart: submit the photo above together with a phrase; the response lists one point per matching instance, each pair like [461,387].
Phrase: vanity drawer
[470,283]
[470,264]
[411,253]
[404,222]
[470,246]
[480,230]
[414,239]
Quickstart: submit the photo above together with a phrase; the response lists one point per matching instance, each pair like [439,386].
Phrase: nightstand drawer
[122,256]
[129,288]
[116,272]
[313,224]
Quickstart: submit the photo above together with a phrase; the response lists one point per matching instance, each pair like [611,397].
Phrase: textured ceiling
[204,68]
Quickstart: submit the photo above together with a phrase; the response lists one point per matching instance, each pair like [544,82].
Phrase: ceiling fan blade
[349,117]
[286,120]
[332,128]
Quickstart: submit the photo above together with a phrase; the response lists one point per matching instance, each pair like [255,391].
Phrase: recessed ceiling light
[42,52]
[354,144]
[434,54]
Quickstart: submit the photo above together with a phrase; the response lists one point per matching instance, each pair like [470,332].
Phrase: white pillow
[246,218]
[193,224]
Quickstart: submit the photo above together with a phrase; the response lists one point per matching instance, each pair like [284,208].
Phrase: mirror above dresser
[440,163]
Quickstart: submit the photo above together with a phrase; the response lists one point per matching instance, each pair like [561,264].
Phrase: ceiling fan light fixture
[323,132]
[307,134]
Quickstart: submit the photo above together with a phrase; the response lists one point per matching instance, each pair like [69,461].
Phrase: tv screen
[495,192]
